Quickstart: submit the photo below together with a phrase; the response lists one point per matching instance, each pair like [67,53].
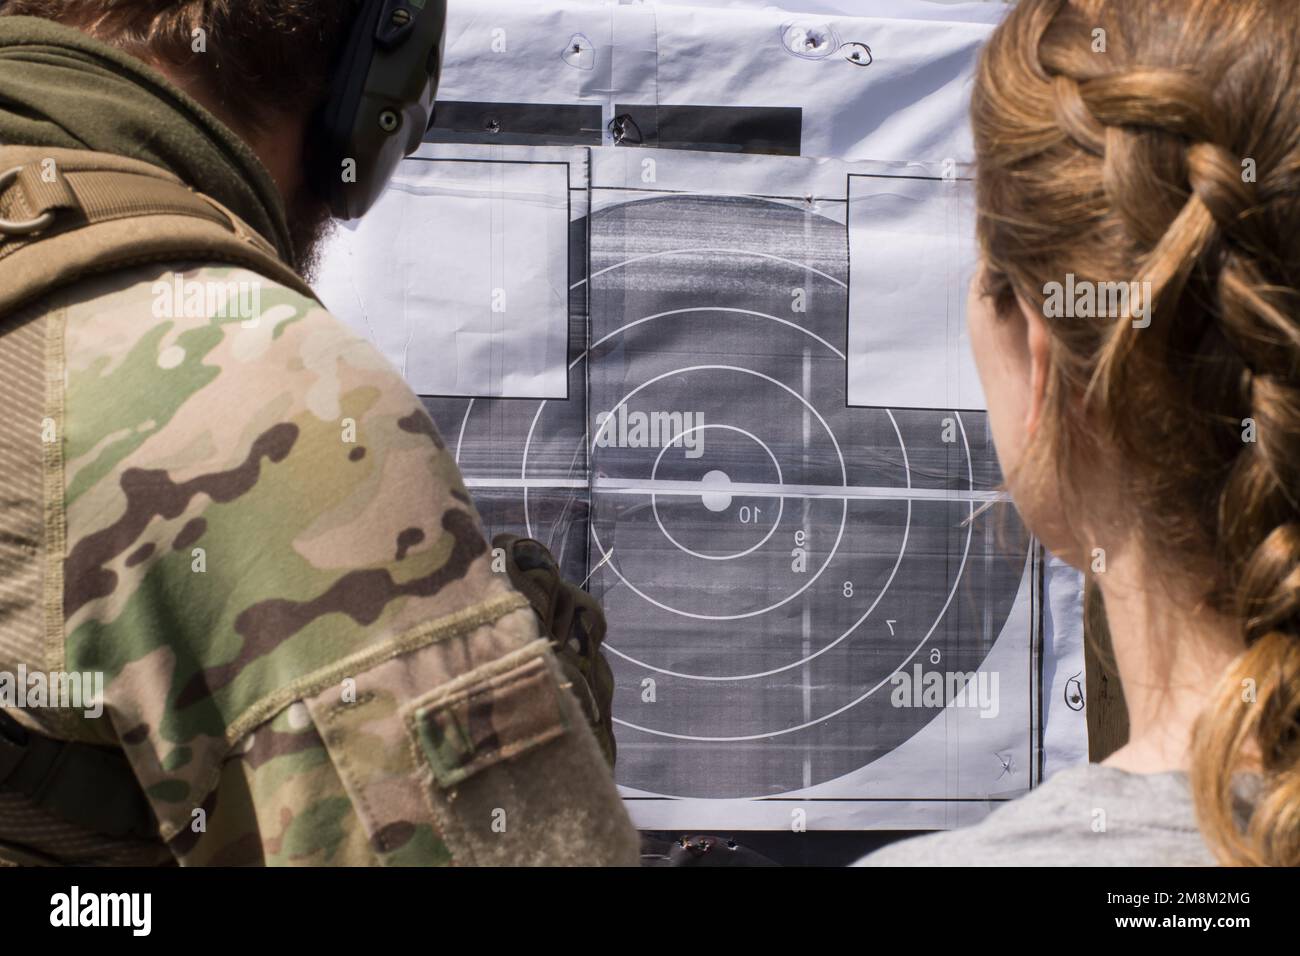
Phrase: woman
[1137,331]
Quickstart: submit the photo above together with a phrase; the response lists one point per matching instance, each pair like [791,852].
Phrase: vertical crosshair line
[587,452]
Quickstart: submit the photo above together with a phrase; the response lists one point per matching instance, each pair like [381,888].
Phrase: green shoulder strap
[65,215]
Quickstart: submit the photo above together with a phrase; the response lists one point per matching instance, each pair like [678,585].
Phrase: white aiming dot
[171,357]
[716,500]
[298,716]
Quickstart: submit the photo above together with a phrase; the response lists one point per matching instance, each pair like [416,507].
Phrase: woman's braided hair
[1159,141]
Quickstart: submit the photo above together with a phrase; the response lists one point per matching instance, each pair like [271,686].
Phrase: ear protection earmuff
[380,102]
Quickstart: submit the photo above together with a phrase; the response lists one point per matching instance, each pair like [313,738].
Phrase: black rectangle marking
[516,124]
[774,130]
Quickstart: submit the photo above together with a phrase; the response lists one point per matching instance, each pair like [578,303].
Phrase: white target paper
[732,393]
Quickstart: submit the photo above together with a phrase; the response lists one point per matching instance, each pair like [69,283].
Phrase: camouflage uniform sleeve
[272,559]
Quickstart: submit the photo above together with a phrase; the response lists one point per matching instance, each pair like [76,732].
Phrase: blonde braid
[1130,164]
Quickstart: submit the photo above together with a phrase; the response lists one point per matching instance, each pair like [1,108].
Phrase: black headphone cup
[384,65]
[332,125]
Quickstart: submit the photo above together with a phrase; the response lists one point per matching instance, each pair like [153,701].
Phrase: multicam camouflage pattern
[271,557]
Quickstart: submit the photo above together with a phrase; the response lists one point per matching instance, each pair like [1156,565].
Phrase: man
[238,514]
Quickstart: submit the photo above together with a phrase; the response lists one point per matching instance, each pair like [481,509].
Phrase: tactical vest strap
[68,214]
[89,786]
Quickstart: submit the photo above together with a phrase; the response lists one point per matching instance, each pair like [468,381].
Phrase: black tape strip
[516,124]
[722,129]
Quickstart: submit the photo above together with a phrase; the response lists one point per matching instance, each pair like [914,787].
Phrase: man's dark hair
[261,56]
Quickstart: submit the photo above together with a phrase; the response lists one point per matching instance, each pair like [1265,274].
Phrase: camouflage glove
[575,625]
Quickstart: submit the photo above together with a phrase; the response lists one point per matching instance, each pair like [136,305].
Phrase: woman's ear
[1039,343]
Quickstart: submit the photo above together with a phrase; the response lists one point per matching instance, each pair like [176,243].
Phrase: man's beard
[310,224]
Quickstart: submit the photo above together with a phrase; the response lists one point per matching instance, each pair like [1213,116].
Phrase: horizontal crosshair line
[632,486]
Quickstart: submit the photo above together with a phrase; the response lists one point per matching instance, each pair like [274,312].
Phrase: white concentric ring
[844,511]
[528,440]
[907,472]
[780,507]
[961,570]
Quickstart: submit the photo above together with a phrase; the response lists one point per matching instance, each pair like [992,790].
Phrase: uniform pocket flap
[464,729]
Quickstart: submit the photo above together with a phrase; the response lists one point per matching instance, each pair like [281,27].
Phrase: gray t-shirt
[1088,815]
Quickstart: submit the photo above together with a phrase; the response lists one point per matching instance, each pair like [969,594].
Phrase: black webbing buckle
[14,739]
[83,784]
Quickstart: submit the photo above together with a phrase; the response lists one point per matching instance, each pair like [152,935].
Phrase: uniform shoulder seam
[444,628]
